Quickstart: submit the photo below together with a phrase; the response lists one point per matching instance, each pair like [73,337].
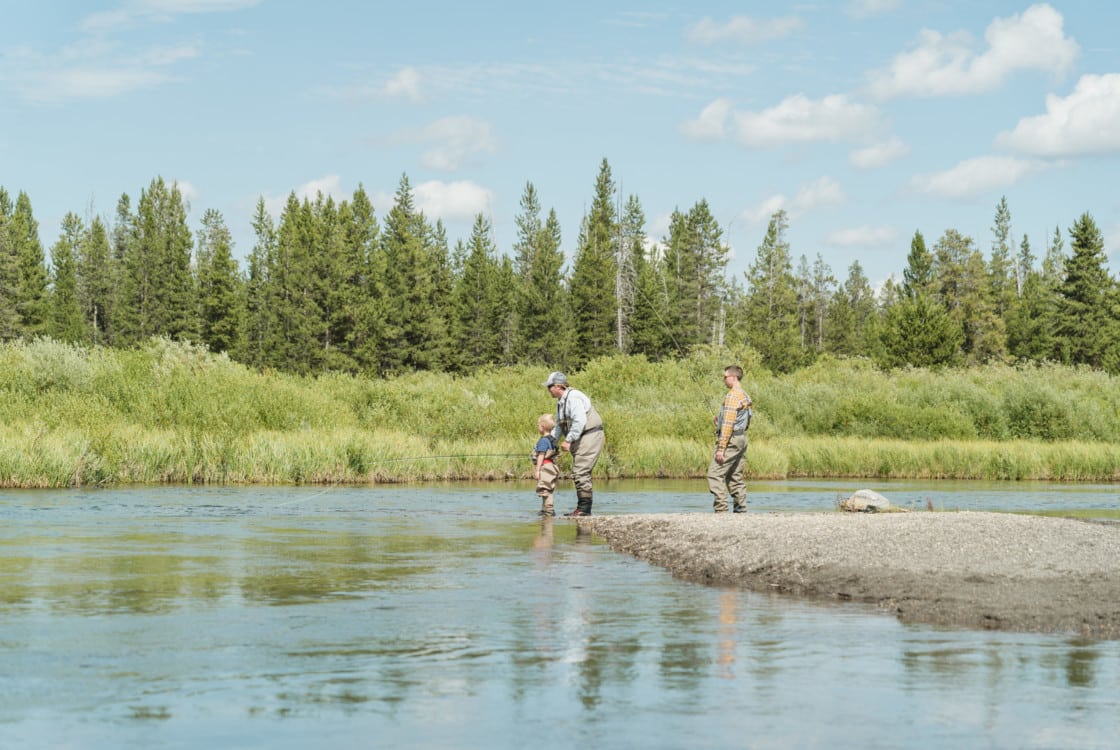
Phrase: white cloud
[461,200]
[450,201]
[107,21]
[169,55]
[195,6]
[742,30]
[95,66]
[186,189]
[329,185]
[946,65]
[864,236]
[1111,243]
[86,83]
[405,83]
[820,193]
[659,227]
[879,154]
[865,8]
[798,119]
[455,141]
[129,14]
[976,176]
[711,125]
[1085,122]
[761,213]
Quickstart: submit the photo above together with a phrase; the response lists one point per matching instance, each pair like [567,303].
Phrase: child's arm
[537,468]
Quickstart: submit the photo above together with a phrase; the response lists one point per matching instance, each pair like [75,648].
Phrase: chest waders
[585,452]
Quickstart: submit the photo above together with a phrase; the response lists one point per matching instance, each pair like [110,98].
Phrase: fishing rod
[457,455]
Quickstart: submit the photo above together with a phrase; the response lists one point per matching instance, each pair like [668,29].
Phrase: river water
[451,616]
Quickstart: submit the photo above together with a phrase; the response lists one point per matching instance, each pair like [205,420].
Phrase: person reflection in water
[542,544]
[725,653]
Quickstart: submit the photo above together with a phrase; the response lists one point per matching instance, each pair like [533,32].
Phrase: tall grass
[169,412]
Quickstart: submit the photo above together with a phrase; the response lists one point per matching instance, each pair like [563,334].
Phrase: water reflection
[728,630]
[1080,664]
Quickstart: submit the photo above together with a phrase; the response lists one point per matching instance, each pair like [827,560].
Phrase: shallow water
[449,616]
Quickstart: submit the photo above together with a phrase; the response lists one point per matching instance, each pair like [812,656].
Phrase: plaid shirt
[734,402]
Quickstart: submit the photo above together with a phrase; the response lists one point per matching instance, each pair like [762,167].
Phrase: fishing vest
[549,454]
[564,417]
[742,419]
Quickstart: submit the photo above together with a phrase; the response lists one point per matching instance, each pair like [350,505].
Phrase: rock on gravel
[976,570]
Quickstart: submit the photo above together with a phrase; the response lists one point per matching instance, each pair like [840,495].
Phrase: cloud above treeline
[796,119]
[950,64]
[1087,122]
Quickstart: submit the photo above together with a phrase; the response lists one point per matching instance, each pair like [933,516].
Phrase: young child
[545,470]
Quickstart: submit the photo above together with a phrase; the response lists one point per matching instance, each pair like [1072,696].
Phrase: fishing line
[337,482]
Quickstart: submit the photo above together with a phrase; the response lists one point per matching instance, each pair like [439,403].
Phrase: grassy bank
[170,413]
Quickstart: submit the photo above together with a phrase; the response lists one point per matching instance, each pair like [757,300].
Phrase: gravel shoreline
[992,571]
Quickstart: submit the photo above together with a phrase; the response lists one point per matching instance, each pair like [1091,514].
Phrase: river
[451,616]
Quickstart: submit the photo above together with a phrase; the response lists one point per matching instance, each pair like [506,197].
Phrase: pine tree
[1086,323]
[918,277]
[219,285]
[356,284]
[539,266]
[967,294]
[694,267]
[916,328]
[173,246]
[770,315]
[1053,264]
[294,292]
[850,315]
[594,304]
[31,270]
[917,332]
[415,263]
[64,321]
[631,244]
[371,301]
[816,288]
[1024,262]
[9,279]
[259,322]
[127,314]
[506,308]
[476,320]
[157,294]
[649,332]
[1031,323]
[1003,278]
[97,273]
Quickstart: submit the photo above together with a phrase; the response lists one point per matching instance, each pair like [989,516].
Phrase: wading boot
[583,506]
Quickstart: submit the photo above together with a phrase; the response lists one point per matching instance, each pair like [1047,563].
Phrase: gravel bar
[994,571]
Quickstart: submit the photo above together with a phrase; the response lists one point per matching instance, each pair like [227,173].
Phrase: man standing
[581,428]
[725,473]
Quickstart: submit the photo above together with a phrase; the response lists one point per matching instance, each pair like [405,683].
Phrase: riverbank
[974,570]
[171,413]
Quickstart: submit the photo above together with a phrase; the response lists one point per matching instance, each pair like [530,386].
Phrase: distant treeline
[330,287]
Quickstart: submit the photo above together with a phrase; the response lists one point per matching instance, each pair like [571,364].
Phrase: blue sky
[865,120]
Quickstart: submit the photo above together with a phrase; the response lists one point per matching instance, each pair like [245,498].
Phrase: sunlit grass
[171,413]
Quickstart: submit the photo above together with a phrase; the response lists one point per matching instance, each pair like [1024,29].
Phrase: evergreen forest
[331,287]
